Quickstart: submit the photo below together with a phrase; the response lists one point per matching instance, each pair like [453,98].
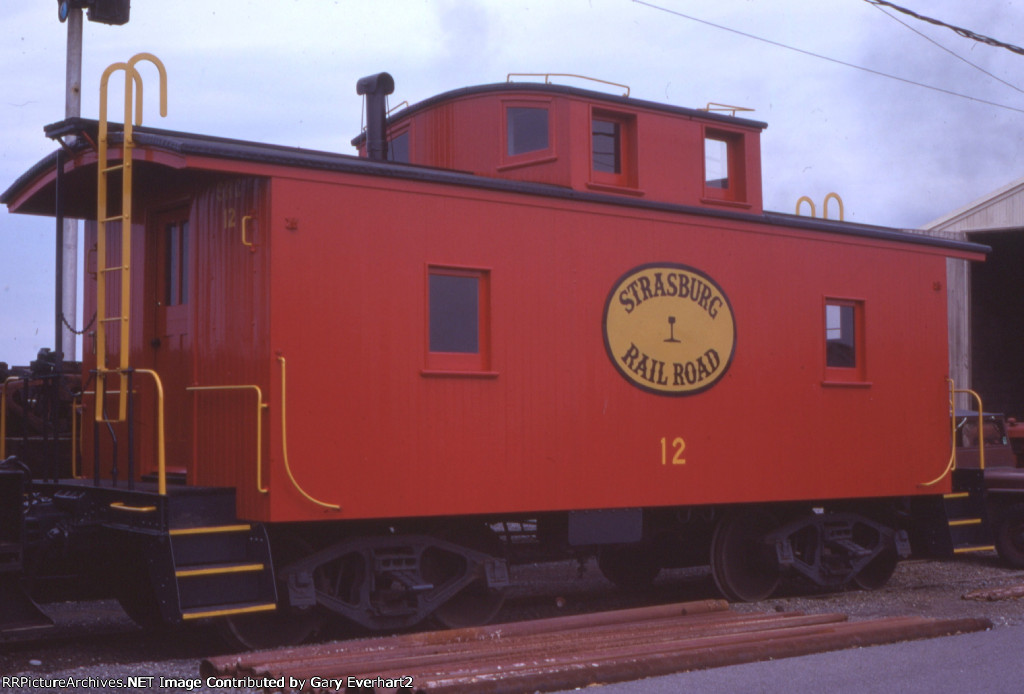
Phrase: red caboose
[524,306]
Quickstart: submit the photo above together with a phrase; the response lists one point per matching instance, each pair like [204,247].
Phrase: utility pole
[68,254]
[66,284]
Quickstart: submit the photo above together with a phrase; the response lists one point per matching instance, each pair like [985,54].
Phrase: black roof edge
[569,91]
[186,143]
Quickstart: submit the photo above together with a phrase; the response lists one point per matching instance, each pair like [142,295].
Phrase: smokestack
[376,88]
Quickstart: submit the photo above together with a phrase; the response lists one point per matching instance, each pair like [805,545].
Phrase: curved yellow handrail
[260,406]
[832,196]
[161,460]
[951,465]
[284,445]
[804,198]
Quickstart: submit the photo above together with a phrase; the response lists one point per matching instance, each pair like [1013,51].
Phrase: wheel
[476,604]
[286,626]
[744,567]
[878,571]
[629,567]
[1010,535]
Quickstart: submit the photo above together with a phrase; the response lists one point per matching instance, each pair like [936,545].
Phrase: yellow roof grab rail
[716,107]
[824,212]
[548,75]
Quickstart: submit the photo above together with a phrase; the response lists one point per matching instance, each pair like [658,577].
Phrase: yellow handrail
[3,416]
[132,78]
[804,198]
[715,106]
[832,196]
[161,461]
[76,417]
[284,445]
[951,465]
[548,75]
[260,406]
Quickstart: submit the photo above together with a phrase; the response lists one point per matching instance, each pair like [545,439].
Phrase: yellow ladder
[132,79]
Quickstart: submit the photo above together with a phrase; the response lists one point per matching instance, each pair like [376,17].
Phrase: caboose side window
[724,167]
[844,341]
[527,129]
[840,336]
[613,152]
[607,149]
[454,313]
[457,319]
[176,261]
[398,148]
[716,163]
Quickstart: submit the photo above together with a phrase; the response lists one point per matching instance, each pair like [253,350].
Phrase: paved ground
[991,662]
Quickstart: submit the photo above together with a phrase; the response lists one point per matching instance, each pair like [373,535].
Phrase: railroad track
[567,652]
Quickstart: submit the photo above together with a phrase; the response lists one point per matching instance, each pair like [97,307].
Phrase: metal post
[68,278]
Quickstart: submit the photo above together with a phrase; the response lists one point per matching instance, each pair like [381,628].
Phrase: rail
[161,460]
[3,415]
[951,465]
[716,107]
[824,211]
[548,75]
[573,652]
[284,444]
[260,407]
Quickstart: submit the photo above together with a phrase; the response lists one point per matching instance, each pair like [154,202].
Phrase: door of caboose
[170,342]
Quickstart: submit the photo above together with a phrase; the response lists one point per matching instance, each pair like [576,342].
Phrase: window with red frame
[457,319]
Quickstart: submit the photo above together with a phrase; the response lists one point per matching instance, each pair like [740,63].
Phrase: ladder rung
[111,218]
[114,318]
[112,269]
[956,495]
[113,167]
[965,521]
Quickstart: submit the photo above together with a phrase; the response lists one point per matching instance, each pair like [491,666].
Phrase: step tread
[218,569]
[227,609]
[965,549]
[210,529]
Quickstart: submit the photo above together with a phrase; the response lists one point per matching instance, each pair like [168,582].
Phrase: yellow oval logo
[669,329]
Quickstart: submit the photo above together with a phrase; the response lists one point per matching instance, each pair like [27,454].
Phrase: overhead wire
[829,59]
[878,6]
[966,33]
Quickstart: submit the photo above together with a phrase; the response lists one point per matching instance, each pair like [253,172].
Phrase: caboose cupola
[582,140]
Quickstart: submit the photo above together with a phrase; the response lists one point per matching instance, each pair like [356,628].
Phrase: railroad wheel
[477,603]
[878,571]
[286,626]
[744,567]
[1010,535]
[629,567]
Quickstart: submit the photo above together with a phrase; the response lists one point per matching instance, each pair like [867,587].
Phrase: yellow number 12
[678,446]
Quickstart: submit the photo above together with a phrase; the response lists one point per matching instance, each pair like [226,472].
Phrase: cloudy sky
[284,72]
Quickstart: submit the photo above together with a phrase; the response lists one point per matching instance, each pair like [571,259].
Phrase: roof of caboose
[166,153]
[563,90]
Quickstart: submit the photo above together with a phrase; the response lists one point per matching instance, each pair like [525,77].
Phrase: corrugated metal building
[986,300]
